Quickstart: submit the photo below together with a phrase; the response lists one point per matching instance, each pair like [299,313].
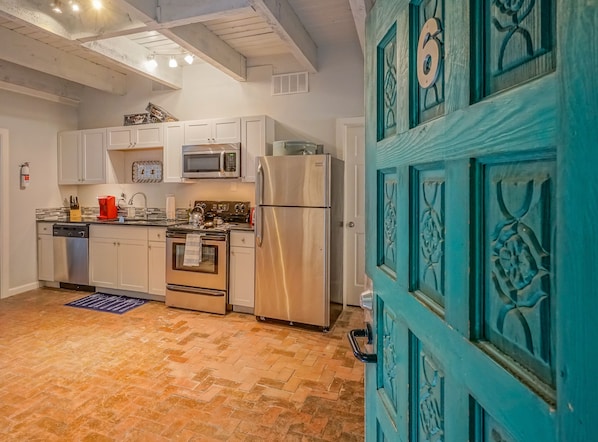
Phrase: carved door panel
[469,141]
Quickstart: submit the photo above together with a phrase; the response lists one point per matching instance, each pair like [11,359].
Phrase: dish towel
[192,256]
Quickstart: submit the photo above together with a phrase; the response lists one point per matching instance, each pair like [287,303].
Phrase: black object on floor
[103,302]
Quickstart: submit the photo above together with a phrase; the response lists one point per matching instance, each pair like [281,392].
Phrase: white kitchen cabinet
[242,271]
[132,265]
[135,137]
[82,157]
[118,257]
[172,155]
[257,136]
[220,130]
[45,252]
[157,261]
[103,262]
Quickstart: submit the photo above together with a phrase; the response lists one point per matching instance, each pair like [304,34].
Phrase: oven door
[211,272]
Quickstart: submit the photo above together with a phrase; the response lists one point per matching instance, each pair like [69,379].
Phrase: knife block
[75,215]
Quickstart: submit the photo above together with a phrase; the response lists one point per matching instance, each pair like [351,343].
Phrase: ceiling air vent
[285,84]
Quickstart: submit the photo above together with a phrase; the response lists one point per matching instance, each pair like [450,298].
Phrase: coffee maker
[108,208]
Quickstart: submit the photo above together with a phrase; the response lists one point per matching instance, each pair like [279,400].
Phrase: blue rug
[103,302]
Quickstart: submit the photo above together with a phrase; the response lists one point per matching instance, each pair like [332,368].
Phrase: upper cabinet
[135,137]
[257,136]
[172,155]
[82,157]
[106,155]
[221,130]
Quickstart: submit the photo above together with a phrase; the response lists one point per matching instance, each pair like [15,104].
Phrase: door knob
[350,224]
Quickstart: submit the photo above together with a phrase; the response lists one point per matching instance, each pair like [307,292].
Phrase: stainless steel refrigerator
[299,239]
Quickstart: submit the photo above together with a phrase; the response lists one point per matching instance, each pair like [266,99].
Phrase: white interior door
[351,136]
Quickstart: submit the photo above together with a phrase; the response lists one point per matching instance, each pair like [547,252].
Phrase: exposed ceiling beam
[41,57]
[16,10]
[196,38]
[144,10]
[360,10]
[134,57]
[37,93]
[285,23]
[202,43]
[25,81]
[169,14]
[178,20]
[180,12]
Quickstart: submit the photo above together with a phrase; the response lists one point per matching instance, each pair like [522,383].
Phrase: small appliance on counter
[108,209]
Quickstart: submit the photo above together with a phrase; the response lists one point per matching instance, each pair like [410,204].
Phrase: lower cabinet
[242,271]
[118,257]
[157,261]
[45,252]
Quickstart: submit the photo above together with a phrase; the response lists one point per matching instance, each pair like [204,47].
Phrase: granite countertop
[240,226]
[126,222]
[141,222]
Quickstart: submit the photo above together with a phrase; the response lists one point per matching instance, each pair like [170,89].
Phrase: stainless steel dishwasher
[71,253]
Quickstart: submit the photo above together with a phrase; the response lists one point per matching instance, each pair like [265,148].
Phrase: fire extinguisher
[24,175]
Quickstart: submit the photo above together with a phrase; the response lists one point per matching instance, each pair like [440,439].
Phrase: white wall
[32,124]
[336,91]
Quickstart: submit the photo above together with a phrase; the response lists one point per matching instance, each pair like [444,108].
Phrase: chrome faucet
[144,202]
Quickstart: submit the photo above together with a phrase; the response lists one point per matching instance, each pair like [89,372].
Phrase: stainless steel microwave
[212,161]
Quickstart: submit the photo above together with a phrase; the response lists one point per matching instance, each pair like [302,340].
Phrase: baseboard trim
[22,289]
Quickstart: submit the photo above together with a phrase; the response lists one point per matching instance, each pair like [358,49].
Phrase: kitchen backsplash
[62,213]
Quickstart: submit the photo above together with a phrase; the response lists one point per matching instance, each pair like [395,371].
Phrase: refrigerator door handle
[258,225]
[259,189]
[259,200]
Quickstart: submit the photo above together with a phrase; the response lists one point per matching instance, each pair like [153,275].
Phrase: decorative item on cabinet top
[147,171]
[159,113]
[142,118]
[153,114]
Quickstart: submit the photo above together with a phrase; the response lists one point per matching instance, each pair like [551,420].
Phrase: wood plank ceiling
[57,54]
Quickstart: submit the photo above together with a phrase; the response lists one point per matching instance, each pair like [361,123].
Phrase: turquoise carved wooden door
[481,239]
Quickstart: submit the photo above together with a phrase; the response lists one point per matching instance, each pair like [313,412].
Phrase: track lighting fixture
[151,63]
[58,6]
[189,58]
[172,62]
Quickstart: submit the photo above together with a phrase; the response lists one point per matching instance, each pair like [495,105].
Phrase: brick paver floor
[163,374]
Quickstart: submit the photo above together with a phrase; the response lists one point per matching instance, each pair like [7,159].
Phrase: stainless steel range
[197,258]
